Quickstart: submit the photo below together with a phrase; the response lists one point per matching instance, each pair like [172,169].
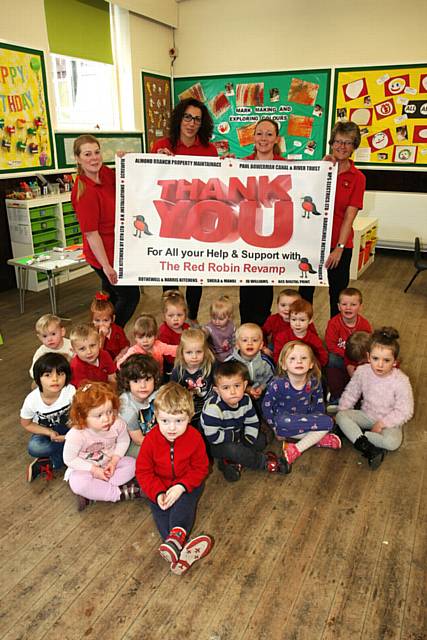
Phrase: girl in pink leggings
[95,448]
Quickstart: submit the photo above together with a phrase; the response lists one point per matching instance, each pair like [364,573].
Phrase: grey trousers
[355,423]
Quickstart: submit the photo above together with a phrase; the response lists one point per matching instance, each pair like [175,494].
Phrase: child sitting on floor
[301,328]
[231,425]
[146,342]
[45,413]
[113,338]
[137,382]
[171,468]
[51,334]
[221,330]
[248,351]
[95,448]
[356,351]
[170,331]
[279,321]
[293,404]
[90,362]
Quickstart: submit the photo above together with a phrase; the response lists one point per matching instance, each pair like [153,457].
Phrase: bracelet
[340,245]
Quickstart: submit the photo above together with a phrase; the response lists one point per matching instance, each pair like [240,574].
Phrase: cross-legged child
[113,338]
[95,448]
[279,321]
[51,334]
[221,330]
[293,404]
[301,328]
[193,369]
[387,400]
[137,382]
[45,413]
[231,425]
[90,362]
[248,351]
[171,467]
[338,330]
[146,342]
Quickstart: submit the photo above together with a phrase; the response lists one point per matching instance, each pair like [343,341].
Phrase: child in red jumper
[90,362]
[113,338]
[171,467]
[279,321]
[301,328]
[170,331]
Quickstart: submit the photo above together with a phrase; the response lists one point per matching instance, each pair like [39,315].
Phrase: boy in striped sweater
[231,425]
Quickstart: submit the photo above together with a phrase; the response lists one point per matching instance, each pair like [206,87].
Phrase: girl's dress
[292,412]
[200,387]
[139,416]
[222,339]
[85,448]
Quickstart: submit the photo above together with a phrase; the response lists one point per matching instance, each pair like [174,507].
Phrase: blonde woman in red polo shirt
[94,201]
[345,138]
[190,130]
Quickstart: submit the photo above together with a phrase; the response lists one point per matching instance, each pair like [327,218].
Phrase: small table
[50,263]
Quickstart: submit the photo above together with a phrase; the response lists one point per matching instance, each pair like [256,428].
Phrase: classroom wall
[252,35]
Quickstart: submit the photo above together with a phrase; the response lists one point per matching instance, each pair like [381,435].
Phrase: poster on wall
[390,106]
[157,99]
[298,100]
[191,220]
[25,130]
[111,143]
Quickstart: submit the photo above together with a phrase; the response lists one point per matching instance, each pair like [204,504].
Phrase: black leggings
[338,279]
[255,304]
[124,298]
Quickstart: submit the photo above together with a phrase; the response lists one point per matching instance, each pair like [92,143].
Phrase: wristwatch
[340,245]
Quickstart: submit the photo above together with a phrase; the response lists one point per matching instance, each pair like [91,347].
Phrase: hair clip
[86,387]
[100,295]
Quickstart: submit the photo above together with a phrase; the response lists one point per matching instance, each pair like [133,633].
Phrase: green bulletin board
[298,100]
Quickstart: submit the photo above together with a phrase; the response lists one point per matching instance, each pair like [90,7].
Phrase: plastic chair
[420,264]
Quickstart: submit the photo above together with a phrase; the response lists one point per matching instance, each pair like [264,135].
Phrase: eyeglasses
[343,143]
[188,118]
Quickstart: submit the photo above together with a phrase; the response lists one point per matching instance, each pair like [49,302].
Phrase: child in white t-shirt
[51,334]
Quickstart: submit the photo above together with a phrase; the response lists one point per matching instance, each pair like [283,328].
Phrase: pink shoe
[194,550]
[290,452]
[330,441]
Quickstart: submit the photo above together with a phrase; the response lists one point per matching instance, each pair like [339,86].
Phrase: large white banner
[196,220]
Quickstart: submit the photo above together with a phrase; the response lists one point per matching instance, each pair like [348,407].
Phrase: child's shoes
[194,550]
[130,491]
[231,470]
[39,467]
[82,503]
[171,548]
[290,452]
[330,441]
[274,464]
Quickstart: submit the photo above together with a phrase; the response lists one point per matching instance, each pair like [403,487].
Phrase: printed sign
[191,220]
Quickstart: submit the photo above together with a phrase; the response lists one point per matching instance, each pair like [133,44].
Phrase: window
[85,94]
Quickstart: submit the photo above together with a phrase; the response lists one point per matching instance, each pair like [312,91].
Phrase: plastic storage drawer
[43,212]
[70,218]
[43,237]
[67,207]
[43,225]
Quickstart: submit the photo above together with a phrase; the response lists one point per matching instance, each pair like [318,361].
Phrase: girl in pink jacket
[387,400]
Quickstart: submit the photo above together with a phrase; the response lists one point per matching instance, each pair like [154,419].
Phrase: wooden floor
[331,551]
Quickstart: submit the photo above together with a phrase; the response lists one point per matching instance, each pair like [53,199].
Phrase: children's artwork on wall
[110,144]
[25,130]
[156,92]
[297,100]
[390,106]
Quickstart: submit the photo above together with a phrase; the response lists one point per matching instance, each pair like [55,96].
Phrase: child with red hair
[95,447]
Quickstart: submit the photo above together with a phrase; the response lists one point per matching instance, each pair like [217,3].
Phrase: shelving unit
[364,243]
[40,224]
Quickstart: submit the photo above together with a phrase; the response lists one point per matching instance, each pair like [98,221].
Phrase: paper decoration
[396,85]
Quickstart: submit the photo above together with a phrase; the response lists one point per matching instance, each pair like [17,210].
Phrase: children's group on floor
[148,419]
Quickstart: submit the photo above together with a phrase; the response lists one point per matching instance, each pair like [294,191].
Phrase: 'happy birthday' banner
[195,220]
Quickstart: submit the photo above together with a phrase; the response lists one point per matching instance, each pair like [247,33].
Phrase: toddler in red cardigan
[171,467]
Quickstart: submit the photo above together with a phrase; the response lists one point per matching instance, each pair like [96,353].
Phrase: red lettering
[168,190]
[189,190]
[277,189]
[4,72]
[212,221]
[175,219]
[237,191]
[250,221]
[214,189]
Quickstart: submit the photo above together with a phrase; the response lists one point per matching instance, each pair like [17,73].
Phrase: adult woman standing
[190,130]
[94,201]
[345,138]
[255,302]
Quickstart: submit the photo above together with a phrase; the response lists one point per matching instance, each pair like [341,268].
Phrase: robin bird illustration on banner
[141,227]
[306,267]
[309,207]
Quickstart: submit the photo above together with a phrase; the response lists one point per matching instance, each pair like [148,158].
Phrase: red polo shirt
[96,210]
[95,373]
[349,193]
[196,149]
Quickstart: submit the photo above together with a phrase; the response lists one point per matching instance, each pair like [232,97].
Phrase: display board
[157,99]
[390,106]
[298,100]
[110,143]
[25,130]
[192,220]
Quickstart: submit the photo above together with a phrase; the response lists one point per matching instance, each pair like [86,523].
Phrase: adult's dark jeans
[124,298]
[255,304]
[180,514]
[248,455]
[338,279]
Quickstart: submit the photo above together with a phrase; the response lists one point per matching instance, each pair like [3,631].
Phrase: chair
[420,264]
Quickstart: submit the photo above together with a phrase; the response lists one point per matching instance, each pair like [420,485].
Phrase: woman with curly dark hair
[190,129]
